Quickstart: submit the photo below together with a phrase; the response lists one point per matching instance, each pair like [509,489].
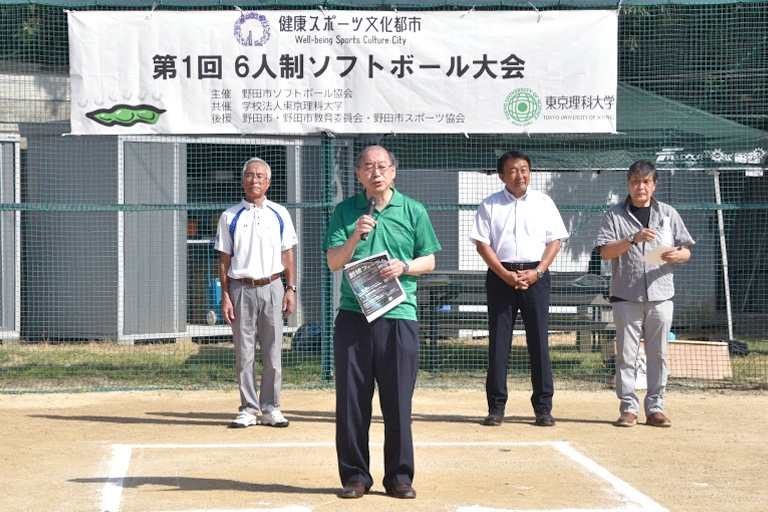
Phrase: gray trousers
[650,321]
[258,317]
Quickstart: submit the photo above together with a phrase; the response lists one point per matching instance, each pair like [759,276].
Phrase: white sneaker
[244,419]
[274,419]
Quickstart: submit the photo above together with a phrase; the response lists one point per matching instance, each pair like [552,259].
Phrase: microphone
[369,212]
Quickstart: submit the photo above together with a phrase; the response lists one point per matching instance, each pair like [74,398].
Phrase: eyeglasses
[256,177]
[370,169]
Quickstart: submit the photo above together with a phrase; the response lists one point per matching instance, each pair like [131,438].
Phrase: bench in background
[452,301]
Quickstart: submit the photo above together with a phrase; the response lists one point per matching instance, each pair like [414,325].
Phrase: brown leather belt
[520,266]
[259,282]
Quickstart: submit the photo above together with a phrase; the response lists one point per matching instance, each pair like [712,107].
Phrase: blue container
[213,316]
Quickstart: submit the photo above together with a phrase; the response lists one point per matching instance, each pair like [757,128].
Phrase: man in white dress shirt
[517,232]
[255,241]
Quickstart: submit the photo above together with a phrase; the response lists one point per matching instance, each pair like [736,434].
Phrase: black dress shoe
[402,491]
[544,419]
[493,419]
[353,490]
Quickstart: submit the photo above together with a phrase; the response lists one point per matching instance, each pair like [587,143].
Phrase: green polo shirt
[403,229]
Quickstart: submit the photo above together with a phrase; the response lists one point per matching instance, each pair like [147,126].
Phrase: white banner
[343,71]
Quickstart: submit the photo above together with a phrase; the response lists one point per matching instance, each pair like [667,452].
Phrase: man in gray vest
[641,292]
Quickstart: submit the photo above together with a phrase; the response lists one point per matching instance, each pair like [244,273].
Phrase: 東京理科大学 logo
[522,107]
[252,29]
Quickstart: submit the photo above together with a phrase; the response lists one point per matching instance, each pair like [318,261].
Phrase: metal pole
[723,253]
[326,279]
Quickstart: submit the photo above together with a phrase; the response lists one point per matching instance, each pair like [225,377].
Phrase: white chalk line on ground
[113,490]
[634,500]
[284,509]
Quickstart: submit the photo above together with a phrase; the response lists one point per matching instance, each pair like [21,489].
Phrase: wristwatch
[631,239]
[290,287]
[406,267]
[539,272]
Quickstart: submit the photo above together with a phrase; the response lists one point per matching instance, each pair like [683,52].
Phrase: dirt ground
[172,451]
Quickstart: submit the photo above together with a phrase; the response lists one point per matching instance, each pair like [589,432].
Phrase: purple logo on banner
[252,29]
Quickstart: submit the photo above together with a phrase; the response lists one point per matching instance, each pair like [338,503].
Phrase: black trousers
[504,302]
[384,352]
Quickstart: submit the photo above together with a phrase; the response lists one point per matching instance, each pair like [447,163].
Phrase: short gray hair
[254,160]
[390,155]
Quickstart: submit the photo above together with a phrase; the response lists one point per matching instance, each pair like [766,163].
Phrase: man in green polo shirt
[384,351]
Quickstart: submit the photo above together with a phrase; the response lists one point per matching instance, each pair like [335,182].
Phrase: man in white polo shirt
[255,241]
[517,232]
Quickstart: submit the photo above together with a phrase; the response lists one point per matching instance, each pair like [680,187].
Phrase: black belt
[259,282]
[520,266]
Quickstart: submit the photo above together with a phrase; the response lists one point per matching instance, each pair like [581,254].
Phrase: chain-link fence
[110,278]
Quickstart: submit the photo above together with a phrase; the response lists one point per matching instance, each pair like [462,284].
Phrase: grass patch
[105,365]
[81,366]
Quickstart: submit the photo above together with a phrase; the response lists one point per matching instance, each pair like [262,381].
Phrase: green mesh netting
[109,274]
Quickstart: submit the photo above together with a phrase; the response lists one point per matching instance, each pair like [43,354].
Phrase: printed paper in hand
[375,294]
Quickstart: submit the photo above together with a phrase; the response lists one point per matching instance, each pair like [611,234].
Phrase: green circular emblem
[522,107]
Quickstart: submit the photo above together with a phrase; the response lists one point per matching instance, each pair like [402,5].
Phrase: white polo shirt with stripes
[256,240]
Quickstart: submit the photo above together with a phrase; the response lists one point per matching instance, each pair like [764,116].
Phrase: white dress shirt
[518,230]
